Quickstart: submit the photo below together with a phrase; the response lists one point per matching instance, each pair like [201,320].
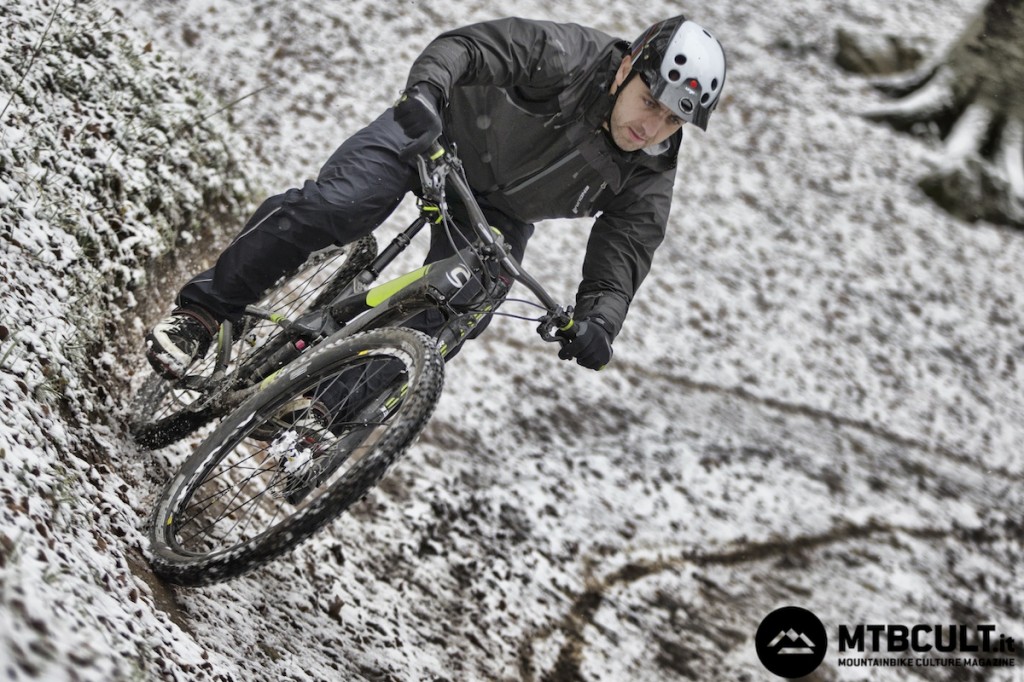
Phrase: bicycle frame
[440,285]
[463,286]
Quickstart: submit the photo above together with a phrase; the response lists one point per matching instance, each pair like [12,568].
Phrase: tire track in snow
[888,436]
[584,608]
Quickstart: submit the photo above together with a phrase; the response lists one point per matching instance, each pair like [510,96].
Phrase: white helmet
[684,67]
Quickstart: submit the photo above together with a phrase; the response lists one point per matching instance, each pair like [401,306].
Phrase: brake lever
[558,327]
[432,176]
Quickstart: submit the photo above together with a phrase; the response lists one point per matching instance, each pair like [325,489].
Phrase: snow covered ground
[816,399]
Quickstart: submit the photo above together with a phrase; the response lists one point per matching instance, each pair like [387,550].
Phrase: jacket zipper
[526,181]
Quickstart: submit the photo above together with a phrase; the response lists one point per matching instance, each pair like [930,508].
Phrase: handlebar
[436,166]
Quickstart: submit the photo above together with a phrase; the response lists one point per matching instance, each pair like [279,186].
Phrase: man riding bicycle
[551,121]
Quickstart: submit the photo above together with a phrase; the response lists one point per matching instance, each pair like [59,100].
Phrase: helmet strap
[633,73]
[614,97]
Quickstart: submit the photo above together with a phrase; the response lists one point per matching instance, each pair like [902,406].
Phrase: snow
[816,399]
[1013,155]
[965,135]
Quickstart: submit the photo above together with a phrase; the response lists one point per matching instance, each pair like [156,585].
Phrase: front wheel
[321,433]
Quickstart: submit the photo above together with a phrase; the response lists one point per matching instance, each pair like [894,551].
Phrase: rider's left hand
[417,112]
[592,346]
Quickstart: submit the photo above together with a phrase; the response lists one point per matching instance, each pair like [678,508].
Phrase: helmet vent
[714,84]
[674,75]
[704,98]
[680,59]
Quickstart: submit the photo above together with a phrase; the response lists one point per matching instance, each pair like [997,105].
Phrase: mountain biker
[550,120]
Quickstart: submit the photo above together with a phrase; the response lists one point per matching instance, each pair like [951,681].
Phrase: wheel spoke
[296,454]
[227,506]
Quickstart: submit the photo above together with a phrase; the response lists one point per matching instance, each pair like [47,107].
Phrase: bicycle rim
[261,483]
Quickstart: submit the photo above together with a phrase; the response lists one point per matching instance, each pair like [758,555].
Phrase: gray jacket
[525,103]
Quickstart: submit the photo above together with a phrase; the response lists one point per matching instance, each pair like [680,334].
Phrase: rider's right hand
[417,112]
[590,346]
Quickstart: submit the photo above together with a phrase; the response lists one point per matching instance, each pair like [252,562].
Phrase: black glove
[592,346]
[416,112]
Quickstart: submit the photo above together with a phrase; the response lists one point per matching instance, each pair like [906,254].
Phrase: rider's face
[638,120]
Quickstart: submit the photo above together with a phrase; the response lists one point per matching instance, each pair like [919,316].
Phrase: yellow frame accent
[381,293]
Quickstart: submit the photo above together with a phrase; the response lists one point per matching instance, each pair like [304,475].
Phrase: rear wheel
[167,411]
[314,441]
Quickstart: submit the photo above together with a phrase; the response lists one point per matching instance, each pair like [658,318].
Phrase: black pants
[357,189]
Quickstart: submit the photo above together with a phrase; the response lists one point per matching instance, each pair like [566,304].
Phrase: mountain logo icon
[802,643]
[791,642]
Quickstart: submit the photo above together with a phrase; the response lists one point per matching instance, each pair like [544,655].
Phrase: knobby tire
[423,376]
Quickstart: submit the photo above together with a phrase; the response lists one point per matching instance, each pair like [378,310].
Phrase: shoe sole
[163,363]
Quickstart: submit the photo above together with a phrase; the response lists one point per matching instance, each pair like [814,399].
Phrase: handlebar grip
[435,151]
[568,332]
[421,146]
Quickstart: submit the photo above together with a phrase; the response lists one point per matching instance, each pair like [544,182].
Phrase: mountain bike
[320,388]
